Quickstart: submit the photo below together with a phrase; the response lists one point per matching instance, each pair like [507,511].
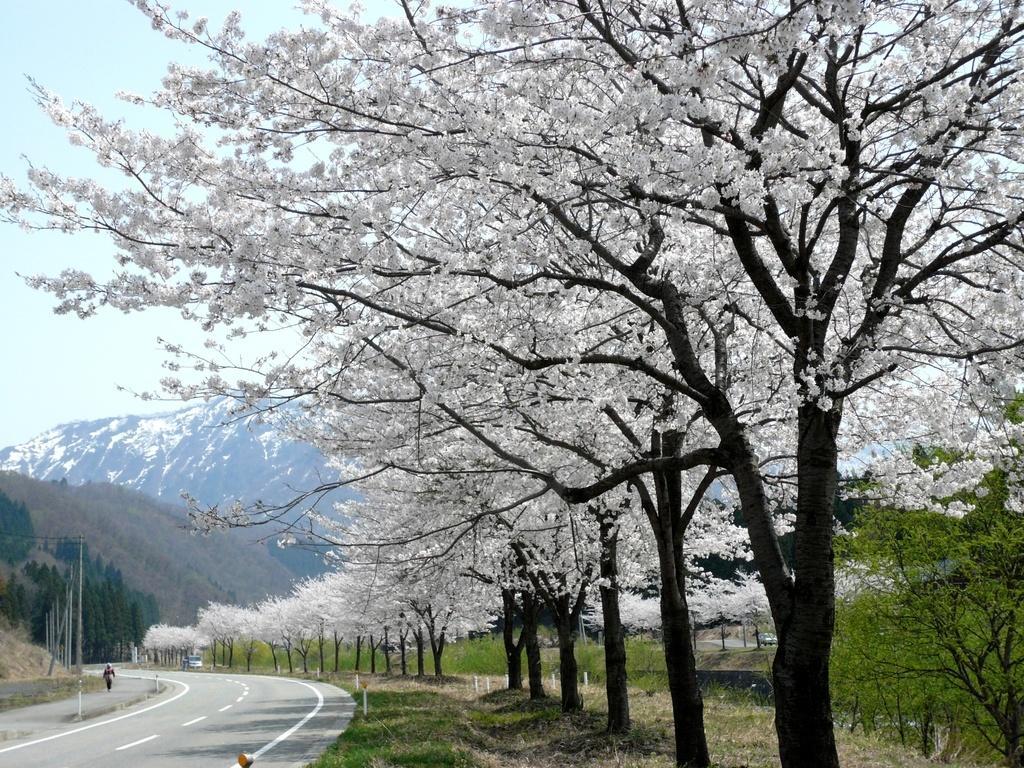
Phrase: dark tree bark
[337,650]
[420,670]
[437,645]
[513,647]
[273,654]
[436,631]
[614,635]
[535,671]
[373,655]
[402,637]
[385,648]
[800,672]
[359,653]
[668,520]
[566,612]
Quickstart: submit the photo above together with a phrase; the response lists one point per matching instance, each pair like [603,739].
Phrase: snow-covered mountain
[198,449]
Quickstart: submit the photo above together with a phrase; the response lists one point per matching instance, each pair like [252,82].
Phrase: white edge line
[224,709]
[193,722]
[319,705]
[136,743]
[302,722]
[105,722]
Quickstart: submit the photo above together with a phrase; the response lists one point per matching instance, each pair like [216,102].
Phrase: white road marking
[193,722]
[227,707]
[104,722]
[319,705]
[140,741]
[239,699]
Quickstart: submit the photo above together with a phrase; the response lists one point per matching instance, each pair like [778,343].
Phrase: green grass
[486,656]
[403,728]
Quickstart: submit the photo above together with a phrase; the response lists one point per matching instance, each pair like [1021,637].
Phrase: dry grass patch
[448,724]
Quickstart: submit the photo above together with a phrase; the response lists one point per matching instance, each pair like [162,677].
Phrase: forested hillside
[143,544]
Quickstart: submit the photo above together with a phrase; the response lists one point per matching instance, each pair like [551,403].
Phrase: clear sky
[55,369]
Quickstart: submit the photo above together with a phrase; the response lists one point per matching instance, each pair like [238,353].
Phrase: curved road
[202,719]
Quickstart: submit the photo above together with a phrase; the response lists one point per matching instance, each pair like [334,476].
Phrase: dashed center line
[227,707]
[193,722]
[136,743]
[239,699]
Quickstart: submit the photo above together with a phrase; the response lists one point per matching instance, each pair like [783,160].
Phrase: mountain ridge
[148,542]
[203,450]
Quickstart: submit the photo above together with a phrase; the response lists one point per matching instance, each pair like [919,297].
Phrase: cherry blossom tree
[781,220]
[172,643]
[222,623]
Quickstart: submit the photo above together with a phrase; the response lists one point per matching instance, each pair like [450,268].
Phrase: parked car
[194,662]
[767,638]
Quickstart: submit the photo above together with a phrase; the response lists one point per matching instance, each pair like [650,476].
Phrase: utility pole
[81,576]
[67,624]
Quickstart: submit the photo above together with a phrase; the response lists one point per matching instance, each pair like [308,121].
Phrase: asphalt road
[199,720]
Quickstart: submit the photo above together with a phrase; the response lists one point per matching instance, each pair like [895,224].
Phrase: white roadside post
[79,698]
[365,707]
[488,682]
[586,680]
[156,683]
[357,680]
[476,684]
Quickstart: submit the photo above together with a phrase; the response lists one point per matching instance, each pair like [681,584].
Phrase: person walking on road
[108,675]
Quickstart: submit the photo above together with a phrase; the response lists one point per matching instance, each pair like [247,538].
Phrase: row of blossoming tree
[558,269]
[389,609]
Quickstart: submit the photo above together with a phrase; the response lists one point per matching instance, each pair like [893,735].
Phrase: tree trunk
[513,649]
[273,655]
[800,672]
[288,653]
[687,702]
[359,653]
[535,671]
[568,672]
[437,650]
[387,652]
[614,635]
[373,656]
[401,647]
[420,671]
[337,651]
[616,680]
[669,520]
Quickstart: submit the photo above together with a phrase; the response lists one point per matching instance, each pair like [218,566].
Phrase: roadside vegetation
[26,693]
[467,718]
[449,725]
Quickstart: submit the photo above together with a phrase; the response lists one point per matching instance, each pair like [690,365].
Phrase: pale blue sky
[58,368]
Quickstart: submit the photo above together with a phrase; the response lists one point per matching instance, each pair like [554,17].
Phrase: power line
[39,538]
